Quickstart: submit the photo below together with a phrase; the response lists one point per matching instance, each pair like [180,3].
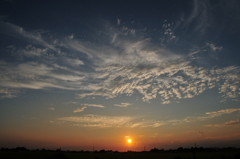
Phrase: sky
[82,74]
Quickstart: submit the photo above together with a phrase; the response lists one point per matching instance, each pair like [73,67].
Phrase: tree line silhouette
[154,150]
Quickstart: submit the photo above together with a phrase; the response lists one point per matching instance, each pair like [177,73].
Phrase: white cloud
[213,47]
[8,93]
[118,21]
[84,106]
[114,38]
[79,109]
[123,105]
[98,121]
[33,75]
[90,120]
[94,105]
[131,64]
[71,36]
[32,37]
[31,51]
[233,122]
[75,62]
[207,116]
[222,112]
[198,14]
[228,123]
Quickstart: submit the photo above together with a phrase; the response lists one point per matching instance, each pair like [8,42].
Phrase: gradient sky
[79,74]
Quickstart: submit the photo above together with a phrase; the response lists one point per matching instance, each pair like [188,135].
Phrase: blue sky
[164,73]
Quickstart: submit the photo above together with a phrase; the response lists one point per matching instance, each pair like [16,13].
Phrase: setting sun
[129,141]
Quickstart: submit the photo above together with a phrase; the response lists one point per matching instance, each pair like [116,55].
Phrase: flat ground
[132,155]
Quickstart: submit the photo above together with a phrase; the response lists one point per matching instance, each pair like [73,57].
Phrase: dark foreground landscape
[180,153]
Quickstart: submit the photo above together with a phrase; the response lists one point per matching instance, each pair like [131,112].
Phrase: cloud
[84,106]
[114,38]
[51,108]
[8,93]
[28,36]
[71,36]
[31,51]
[233,122]
[79,109]
[118,21]
[222,112]
[131,64]
[214,125]
[123,105]
[71,102]
[200,14]
[99,121]
[35,75]
[213,47]
[147,123]
[75,62]
[94,105]
[206,116]
[90,120]
[229,123]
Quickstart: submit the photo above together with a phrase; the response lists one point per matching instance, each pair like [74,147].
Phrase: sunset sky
[82,74]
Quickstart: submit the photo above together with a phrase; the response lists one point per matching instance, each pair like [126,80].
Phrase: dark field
[126,155]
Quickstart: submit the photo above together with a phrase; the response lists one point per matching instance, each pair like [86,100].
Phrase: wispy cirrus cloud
[129,64]
[94,105]
[222,112]
[200,14]
[123,105]
[84,106]
[32,37]
[233,122]
[228,123]
[203,117]
[99,121]
[79,109]
[213,47]
[90,120]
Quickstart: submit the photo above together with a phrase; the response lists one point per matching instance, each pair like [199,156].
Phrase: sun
[129,141]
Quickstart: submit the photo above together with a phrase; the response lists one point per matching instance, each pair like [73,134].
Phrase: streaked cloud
[71,102]
[213,47]
[51,108]
[203,117]
[32,37]
[118,21]
[123,105]
[228,123]
[222,112]
[75,62]
[94,105]
[199,14]
[90,120]
[233,122]
[99,121]
[130,65]
[71,36]
[79,109]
